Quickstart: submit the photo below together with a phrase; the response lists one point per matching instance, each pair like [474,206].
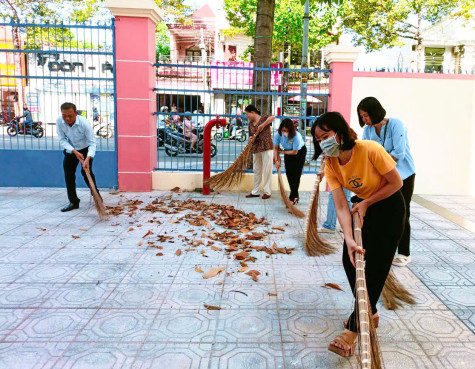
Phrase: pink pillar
[136,101]
[341,59]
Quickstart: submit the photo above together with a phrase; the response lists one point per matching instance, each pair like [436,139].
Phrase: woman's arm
[268,121]
[344,218]
[399,140]
[393,184]
[289,152]
[276,154]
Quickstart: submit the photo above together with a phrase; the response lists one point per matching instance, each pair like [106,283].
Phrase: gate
[223,89]
[41,67]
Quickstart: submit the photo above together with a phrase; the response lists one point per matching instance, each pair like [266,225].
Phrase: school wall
[439,112]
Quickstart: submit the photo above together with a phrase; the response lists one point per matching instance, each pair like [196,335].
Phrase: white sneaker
[401,260]
[325,230]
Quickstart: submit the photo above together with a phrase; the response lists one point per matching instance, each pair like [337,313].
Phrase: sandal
[401,260]
[375,320]
[348,340]
[295,201]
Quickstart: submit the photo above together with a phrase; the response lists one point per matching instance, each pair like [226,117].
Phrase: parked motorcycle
[34,129]
[176,143]
[221,133]
[103,130]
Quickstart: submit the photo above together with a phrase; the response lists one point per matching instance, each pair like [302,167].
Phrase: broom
[233,175]
[394,293]
[286,201]
[314,245]
[98,203]
[368,345]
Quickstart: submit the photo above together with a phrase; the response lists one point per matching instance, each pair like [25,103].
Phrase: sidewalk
[79,293]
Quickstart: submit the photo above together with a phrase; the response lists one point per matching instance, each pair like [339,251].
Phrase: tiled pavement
[101,301]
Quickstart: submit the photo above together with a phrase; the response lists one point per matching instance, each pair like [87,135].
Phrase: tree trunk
[263,51]
[419,49]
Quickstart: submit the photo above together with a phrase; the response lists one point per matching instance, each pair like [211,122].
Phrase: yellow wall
[440,117]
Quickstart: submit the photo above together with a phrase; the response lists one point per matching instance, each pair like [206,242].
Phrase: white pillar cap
[136,8]
[341,53]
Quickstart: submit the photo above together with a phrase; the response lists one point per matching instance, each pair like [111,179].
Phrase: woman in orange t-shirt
[366,169]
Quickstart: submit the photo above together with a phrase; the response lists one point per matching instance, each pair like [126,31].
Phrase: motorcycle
[220,133]
[177,143]
[34,129]
[103,130]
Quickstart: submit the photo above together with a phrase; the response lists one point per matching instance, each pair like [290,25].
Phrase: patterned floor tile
[309,355]
[84,295]
[52,325]
[20,295]
[173,356]
[247,355]
[10,319]
[118,325]
[30,355]
[184,326]
[98,355]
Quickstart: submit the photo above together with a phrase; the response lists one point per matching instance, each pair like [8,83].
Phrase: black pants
[70,163]
[293,169]
[407,191]
[381,232]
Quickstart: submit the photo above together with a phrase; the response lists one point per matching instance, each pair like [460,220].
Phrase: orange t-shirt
[363,174]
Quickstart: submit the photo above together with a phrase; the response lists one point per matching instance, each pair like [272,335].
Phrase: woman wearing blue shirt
[392,135]
[294,151]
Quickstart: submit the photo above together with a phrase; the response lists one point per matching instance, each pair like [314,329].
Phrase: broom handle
[91,183]
[362,298]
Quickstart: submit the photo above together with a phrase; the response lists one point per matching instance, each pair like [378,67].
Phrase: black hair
[287,123]
[373,107]
[252,109]
[67,106]
[333,121]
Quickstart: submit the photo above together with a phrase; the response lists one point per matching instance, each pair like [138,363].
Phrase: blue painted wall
[44,168]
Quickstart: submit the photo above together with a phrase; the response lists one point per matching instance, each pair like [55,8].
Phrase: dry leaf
[216,248]
[212,307]
[241,255]
[333,285]
[130,229]
[139,243]
[243,269]
[159,254]
[147,234]
[178,252]
[271,294]
[175,189]
[279,228]
[41,229]
[82,229]
[253,273]
[213,272]
[75,237]
[198,270]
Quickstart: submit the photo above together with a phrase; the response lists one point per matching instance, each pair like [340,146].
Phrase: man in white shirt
[77,140]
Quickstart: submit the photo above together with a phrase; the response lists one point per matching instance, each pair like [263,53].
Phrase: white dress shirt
[79,136]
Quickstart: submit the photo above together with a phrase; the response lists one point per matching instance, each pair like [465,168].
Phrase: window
[434,59]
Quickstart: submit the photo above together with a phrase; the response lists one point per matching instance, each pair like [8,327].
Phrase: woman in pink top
[188,130]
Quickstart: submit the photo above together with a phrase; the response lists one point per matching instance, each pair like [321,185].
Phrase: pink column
[341,59]
[136,101]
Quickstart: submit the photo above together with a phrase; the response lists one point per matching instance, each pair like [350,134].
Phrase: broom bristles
[286,201]
[394,294]
[314,245]
[233,175]
[98,203]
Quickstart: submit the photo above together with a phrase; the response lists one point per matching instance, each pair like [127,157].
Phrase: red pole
[207,149]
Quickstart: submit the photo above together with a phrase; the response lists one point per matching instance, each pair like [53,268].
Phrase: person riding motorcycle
[28,119]
[188,130]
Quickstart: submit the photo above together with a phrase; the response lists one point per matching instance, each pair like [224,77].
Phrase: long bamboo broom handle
[362,299]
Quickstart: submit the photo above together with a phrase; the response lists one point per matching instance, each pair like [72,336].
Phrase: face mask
[286,134]
[330,147]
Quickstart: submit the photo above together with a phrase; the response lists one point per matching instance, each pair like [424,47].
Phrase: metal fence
[43,65]
[224,89]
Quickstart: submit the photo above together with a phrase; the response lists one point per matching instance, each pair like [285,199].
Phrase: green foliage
[379,23]
[38,37]
[162,38]
[288,22]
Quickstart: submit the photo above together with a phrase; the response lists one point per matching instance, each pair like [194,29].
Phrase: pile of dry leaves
[223,229]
